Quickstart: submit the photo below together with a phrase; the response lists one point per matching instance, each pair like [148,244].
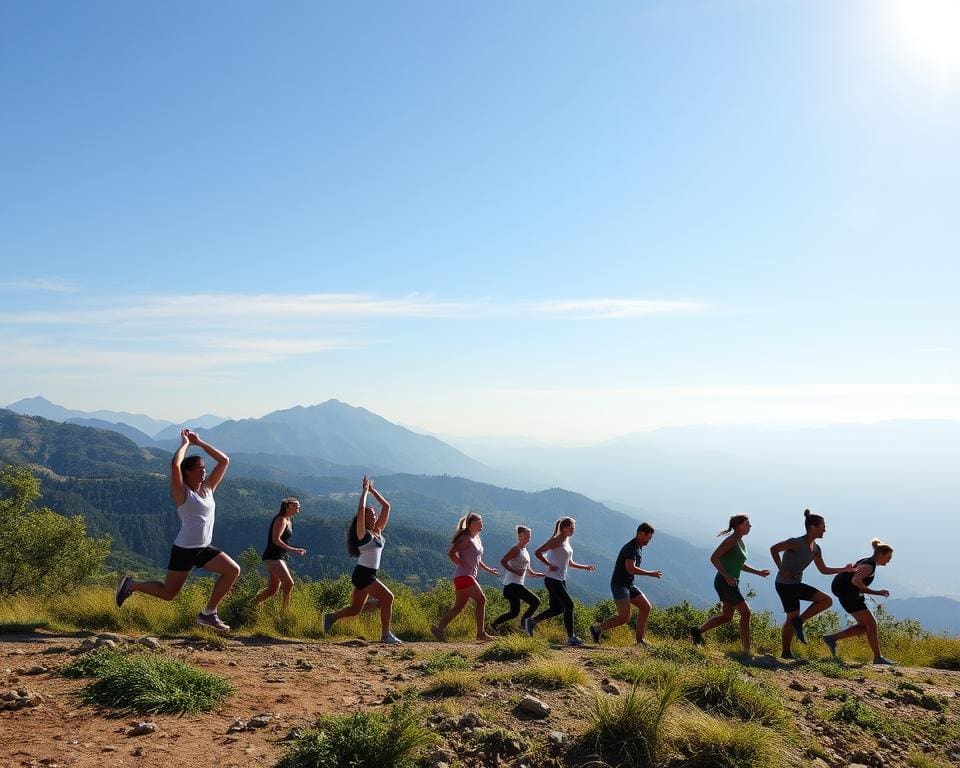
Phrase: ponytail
[562,523]
[810,519]
[463,526]
[353,543]
[734,522]
[881,548]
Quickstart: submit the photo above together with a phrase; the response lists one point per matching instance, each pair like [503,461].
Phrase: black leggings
[517,593]
[560,602]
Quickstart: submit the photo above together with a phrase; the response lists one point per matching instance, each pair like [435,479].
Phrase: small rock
[808,700]
[237,726]
[107,643]
[138,752]
[796,685]
[150,642]
[260,721]
[142,729]
[109,748]
[558,738]
[471,720]
[355,643]
[611,689]
[533,706]
[36,669]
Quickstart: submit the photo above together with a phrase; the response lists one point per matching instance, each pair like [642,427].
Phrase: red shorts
[464,582]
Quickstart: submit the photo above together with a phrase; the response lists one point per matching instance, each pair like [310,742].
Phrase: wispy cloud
[53,285]
[614,309]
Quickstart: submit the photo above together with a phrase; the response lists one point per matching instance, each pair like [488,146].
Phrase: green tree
[41,552]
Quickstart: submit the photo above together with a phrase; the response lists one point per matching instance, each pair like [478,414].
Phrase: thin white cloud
[53,285]
[933,350]
[738,391]
[615,309]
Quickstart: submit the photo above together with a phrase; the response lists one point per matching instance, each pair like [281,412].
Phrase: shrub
[678,653]
[947,661]
[723,691]
[552,675]
[236,608]
[393,740]
[95,663]
[153,685]
[514,648]
[627,731]
[41,552]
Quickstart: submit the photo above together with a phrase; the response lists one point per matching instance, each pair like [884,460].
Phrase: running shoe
[797,625]
[391,639]
[595,633]
[787,656]
[643,641]
[696,635]
[213,621]
[831,642]
[574,641]
[528,627]
[123,590]
[886,662]
[328,623]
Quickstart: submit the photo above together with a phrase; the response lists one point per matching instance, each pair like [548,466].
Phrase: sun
[929,32]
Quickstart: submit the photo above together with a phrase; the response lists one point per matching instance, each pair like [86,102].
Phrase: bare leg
[724,617]
[820,603]
[459,603]
[622,616]
[382,597]
[643,614]
[228,571]
[165,590]
[744,610]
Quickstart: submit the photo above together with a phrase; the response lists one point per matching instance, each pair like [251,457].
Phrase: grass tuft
[704,741]
[386,740]
[515,648]
[442,661]
[724,691]
[628,731]
[451,682]
[95,663]
[154,685]
[552,675]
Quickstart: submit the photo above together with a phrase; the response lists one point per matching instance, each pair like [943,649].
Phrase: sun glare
[929,31]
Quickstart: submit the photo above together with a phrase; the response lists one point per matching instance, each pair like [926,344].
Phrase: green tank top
[734,558]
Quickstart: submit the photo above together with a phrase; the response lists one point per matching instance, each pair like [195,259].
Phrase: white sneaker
[391,639]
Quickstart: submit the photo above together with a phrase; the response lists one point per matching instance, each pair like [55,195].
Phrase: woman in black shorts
[850,589]
[792,556]
[275,555]
[365,542]
[192,492]
[730,559]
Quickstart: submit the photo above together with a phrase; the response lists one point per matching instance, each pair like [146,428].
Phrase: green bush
[724,691]
[393,740]
[552,675]
[41,552]
[440,661]
[451,682]
[154,685]
[709,742]
[95,663]
[514,648]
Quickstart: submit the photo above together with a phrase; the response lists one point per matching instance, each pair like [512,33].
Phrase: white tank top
[196,520]
[371,547]
[520,563]
[560,558]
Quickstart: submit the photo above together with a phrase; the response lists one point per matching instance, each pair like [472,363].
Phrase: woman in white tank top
[192,492]
[516,567]
[561,558]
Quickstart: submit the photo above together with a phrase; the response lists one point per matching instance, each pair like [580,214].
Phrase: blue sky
[550,219]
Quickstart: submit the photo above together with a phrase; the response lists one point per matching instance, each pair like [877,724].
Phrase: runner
[730,558]
[850,590]
[516,567]
[624,592]
[798,553]
[275,555]
[555,580]
[365,542]
[192,492]
[466,552]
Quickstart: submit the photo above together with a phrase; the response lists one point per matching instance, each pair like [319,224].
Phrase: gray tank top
[794,561]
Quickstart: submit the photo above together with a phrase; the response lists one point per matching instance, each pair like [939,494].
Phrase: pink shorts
[464,582]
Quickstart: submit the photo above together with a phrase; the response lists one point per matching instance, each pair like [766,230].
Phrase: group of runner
[192,491]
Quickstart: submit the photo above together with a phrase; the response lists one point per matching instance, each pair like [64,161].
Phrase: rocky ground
[284,685]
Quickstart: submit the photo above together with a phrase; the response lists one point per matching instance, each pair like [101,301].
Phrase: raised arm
[214,478]
[362,510]
[384,507]
[177,488]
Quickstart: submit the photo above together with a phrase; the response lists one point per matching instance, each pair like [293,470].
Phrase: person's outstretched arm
[177,488]
[361,510]
[384,507]
[214,478]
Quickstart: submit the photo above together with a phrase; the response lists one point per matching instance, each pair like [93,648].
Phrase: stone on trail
[533,706]
[142,729]
[150,642]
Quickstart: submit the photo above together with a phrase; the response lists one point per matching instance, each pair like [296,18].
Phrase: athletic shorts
[726,593]
[464,582]
[852,600]
[621,592]
[792,594]
[362,577]
[187,558]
